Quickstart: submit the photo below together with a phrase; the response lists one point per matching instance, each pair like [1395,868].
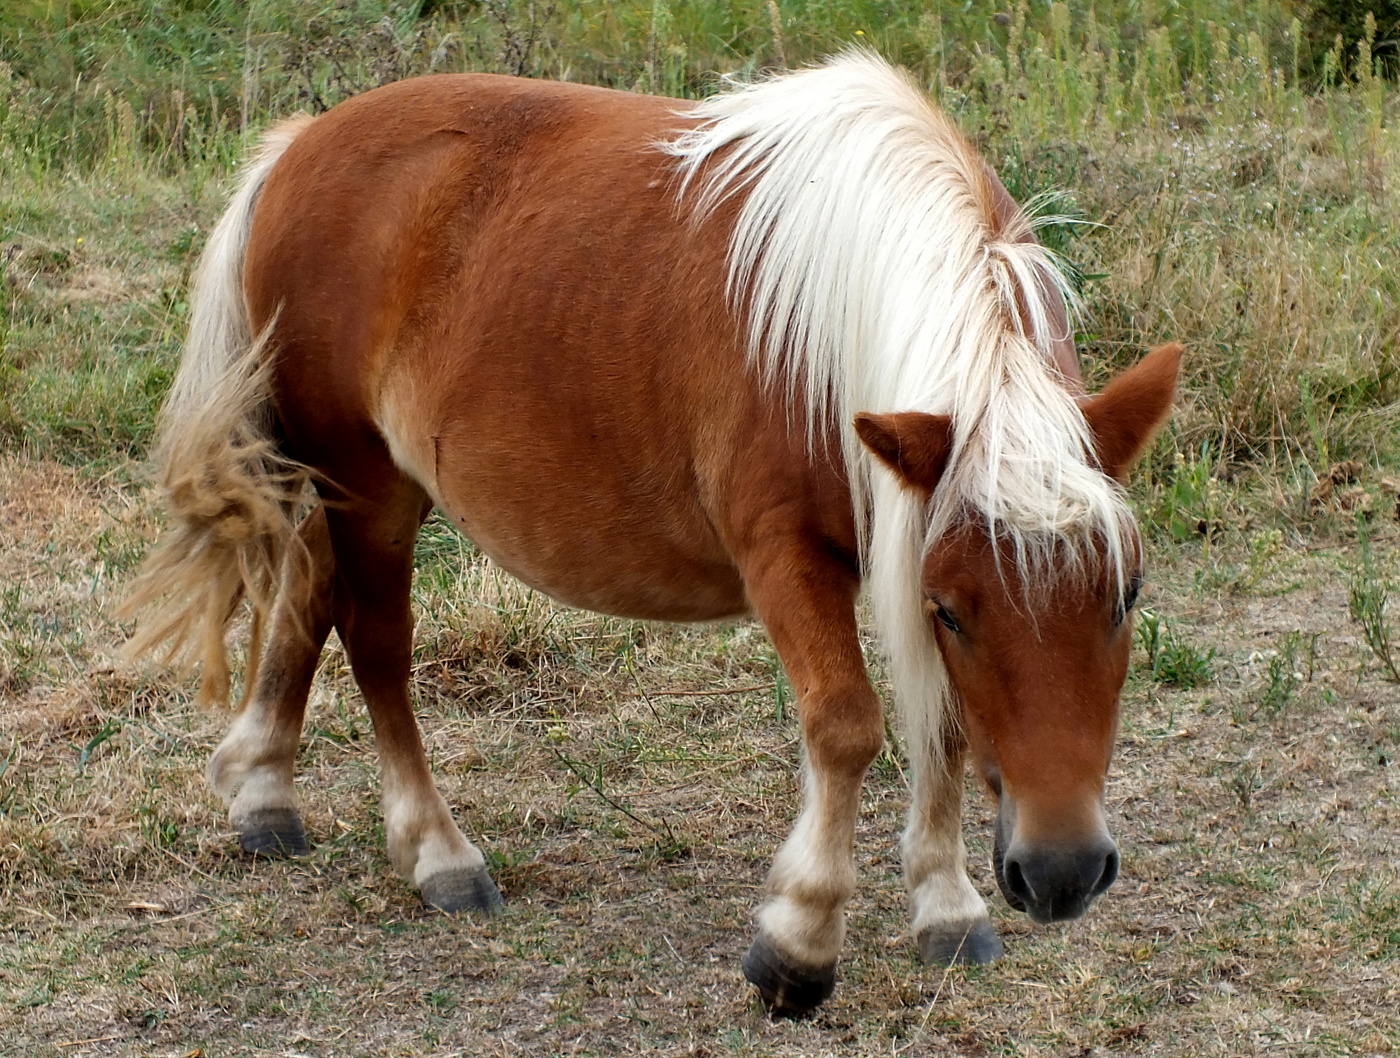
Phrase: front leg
[807,601]
[948,916]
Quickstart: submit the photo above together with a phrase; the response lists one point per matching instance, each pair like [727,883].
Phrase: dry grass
[631,782]
[1256,243]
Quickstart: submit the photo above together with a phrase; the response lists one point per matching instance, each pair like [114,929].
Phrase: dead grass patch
[1258,911]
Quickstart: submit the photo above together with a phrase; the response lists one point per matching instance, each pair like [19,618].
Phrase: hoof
[273,832]
[454,891]
[972,944]
[787,990]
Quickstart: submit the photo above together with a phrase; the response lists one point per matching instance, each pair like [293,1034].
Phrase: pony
[673,361]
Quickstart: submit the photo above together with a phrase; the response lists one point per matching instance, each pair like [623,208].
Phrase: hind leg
[373,535]
[252,767]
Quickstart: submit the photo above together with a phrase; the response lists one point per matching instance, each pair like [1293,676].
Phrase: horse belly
[578,545]
[651,579]
[613,524]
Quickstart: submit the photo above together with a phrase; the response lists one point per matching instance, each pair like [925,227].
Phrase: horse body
[491,300]
[492,296]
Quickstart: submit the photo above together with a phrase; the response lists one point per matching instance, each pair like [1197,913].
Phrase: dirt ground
[630,783]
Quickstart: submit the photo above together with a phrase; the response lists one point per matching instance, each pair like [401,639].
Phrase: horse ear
[1128,413]
[914,444]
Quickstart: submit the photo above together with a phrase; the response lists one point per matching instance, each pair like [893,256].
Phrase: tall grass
[1236,173]
[83,73]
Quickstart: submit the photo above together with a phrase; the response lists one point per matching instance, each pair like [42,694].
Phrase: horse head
[1036,663]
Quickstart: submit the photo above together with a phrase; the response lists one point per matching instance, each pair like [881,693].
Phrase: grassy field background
[1234,171]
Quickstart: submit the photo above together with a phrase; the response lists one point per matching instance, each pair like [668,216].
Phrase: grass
[1368,600]
[1169,658]
[1234,202]
[631,781]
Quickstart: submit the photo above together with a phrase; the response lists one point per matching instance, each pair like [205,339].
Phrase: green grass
[1368,603]
[1237,203]
[1171,659]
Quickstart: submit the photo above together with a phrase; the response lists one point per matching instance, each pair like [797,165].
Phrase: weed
[9,792]
[109,729]
[1264,548]
[1368,596]
[1190,503]
[1170,659]
[782,691]
[159,831]
[1246,782]
[1261,561]
[1289,667]
[593,778]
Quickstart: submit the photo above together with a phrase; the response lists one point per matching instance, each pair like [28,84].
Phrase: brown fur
[1132,408]
[482,295]
[913,444]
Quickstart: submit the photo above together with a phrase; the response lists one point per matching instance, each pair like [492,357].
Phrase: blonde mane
[876,274]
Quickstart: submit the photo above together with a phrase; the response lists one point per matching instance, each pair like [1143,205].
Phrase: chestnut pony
[679,362]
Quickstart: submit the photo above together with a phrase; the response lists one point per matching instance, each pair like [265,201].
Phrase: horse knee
[844,733]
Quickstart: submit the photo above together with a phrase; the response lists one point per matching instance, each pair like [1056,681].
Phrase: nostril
[1110,872]
[1017,883]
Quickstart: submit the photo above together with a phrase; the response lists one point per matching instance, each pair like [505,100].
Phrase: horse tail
[230,493]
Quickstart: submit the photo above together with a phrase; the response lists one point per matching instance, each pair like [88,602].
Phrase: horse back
[493,281]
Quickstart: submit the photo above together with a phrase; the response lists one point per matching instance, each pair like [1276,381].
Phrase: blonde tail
[229,491]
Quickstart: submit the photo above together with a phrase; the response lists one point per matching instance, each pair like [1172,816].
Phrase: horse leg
[807,603]
[373,538]
[252,767]
[948,916]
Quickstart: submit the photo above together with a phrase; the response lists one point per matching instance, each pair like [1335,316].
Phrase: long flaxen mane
[874,273]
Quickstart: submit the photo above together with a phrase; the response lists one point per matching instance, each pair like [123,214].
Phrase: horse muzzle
[1052,882]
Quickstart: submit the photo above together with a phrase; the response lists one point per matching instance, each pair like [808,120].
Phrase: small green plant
[1190,503]
[105,733]
[9,792]
[159,830]
[782,692]
[1367,597]
[668,845]
[1290,667]
[1280,687]
[1264,548]
[1170,659]
[1245,783]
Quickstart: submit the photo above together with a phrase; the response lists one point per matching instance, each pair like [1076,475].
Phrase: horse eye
[946,619]
[1130,597]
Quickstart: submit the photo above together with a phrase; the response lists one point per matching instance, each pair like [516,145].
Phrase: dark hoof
[974,943]
[454,891]
[787,990]
[273,832]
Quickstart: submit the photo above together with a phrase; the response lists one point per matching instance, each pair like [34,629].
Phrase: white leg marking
[935,861]
[813,876]
[252,767]
[423,840]
[940,892]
